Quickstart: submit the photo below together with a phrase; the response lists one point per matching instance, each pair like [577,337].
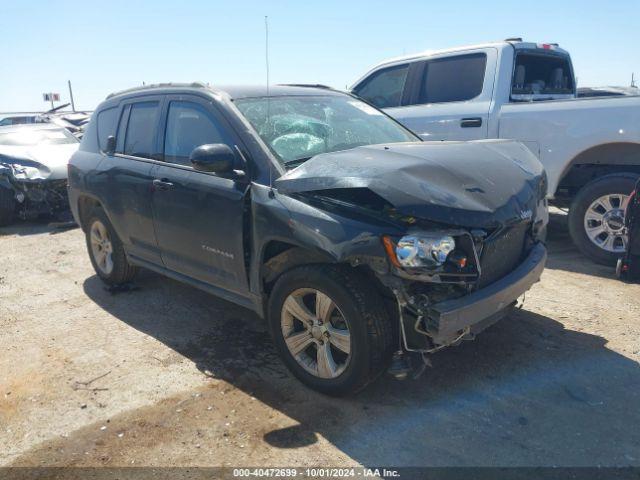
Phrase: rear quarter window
[107,122]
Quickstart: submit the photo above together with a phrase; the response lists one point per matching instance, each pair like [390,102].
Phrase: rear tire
[7,206]
[370,331]
[106,252]
[614,184]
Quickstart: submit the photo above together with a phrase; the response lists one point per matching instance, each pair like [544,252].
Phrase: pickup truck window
[189,125]
[295,128]
[384,88]
[452,79]
[141,129]
[541,74]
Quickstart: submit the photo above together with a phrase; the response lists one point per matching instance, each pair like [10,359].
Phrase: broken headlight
[21,172]
[424,250]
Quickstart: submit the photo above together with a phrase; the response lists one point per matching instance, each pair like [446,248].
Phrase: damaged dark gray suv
[352,237]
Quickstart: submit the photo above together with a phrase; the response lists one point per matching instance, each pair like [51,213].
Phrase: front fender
[336,237]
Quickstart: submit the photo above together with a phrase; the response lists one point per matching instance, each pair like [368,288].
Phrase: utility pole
[73,105]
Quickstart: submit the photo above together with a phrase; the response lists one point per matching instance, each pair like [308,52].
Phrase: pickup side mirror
[213,157]
[110,148]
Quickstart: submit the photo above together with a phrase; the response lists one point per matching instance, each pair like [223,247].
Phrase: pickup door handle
[162,184]
[471,122]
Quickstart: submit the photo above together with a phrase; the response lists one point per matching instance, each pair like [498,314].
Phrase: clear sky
[106,46]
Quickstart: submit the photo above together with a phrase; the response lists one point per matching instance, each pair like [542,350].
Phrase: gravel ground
[166,375]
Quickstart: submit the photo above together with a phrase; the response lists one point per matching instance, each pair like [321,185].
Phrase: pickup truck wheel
[7,206]
[106,252]
[596,217]
[330,328]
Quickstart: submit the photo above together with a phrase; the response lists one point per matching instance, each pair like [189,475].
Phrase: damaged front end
[477,285]
[34,192]
[472,217]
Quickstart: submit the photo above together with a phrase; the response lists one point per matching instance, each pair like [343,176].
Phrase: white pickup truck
[590,146]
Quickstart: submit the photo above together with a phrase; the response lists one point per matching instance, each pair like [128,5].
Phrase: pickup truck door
[198,216]
[449,97]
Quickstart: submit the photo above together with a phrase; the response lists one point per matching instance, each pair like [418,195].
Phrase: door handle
[162,184]
[471,122]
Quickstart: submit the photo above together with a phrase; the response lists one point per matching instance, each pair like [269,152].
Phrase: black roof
[235,91]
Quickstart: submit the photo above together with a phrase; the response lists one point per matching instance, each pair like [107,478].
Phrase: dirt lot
[168,375]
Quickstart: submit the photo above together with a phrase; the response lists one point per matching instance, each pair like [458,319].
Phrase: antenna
[266,58]
[266,48]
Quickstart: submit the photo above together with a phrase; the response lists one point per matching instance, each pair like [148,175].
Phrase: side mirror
[110,148]
[214,157]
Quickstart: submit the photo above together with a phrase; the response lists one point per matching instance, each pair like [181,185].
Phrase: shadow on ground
[526,392]
[51,225]
[563,255]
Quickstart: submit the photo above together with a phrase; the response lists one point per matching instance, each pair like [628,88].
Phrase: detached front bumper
[478,310]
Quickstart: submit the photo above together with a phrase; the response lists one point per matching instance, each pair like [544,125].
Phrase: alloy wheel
[604,222]
[101,247]
[316,333]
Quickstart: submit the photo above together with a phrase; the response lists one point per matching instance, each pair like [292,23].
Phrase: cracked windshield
[297,128]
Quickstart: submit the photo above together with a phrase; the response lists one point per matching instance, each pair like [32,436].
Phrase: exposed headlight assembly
[21,172]
[425,250]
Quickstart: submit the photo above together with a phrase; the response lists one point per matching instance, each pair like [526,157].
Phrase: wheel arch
[278,256]
[86,204]
[598,161]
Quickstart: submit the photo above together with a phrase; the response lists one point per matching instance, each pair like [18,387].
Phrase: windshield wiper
[296,161]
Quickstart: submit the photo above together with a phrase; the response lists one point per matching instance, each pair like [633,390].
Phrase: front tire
[7,206]
[106,252]
[330,328]
[596,217]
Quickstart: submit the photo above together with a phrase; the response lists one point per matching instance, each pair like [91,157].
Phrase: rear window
[141,129]
[107,123]
[453,79]
[541,74]
[384,88]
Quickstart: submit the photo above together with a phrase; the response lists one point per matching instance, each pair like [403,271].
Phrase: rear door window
[141,129]
[384,88]
[190,125]
[452,79]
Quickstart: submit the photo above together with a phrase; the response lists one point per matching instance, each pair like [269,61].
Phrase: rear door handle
[471,122]
[162,184]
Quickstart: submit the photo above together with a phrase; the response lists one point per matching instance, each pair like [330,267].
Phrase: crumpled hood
[51,160]
[480,184]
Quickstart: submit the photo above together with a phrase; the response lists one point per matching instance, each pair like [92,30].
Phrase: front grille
[502,253]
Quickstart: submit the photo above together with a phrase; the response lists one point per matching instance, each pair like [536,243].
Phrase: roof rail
[513,39]
[306,85]
[157,85]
